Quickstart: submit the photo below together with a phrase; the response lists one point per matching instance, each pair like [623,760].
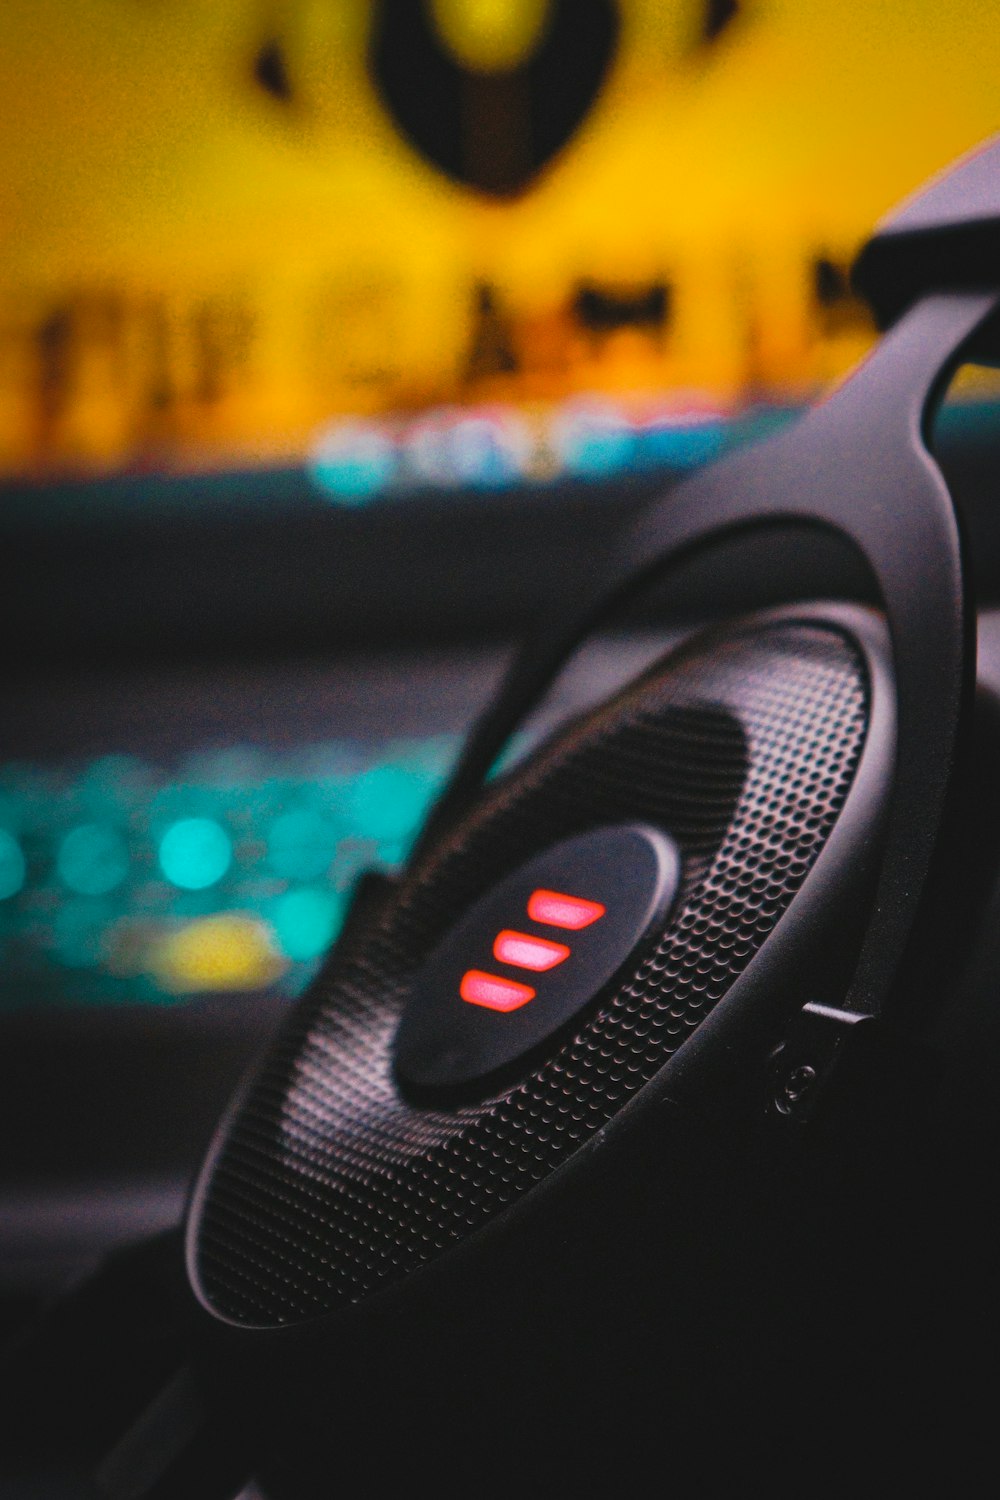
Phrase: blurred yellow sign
[224,224]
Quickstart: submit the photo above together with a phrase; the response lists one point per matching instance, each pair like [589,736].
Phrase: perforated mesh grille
[331,1183]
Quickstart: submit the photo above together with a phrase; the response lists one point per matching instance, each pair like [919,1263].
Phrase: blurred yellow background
[221,227]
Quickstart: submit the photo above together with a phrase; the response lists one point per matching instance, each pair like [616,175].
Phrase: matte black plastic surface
[444,1040]
[763,748]
[946,237]
[856,464]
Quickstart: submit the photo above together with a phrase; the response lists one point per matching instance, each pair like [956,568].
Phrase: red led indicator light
[526,952]
[493,992]
[555,909]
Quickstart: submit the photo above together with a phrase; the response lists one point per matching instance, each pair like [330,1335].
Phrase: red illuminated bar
[527,952]
[493,992]
[555,909]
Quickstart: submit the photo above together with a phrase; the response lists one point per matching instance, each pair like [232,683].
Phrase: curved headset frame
[858,466]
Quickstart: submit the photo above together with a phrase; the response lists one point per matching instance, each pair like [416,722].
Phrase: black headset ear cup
[347,1224]
[644,1207]
[337,1180]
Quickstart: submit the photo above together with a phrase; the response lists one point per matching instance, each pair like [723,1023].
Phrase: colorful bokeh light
[195,853]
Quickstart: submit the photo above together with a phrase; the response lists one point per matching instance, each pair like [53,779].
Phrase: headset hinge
[801,1068]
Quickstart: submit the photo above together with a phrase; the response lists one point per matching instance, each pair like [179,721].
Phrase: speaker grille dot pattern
[331,1183]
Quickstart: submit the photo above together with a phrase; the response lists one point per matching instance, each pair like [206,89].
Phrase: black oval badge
[533,952]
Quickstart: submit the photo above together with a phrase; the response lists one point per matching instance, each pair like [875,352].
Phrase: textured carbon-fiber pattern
[331,1183]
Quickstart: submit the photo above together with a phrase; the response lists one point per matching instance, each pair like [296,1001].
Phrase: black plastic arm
[945,238]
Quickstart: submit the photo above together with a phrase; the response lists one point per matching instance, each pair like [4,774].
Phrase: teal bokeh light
[92,859]
[195,853]
[102,858]
[306,922]
[12,865]
[594,441]
[389,801]
[301,845]
[354,462]
[79,930]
